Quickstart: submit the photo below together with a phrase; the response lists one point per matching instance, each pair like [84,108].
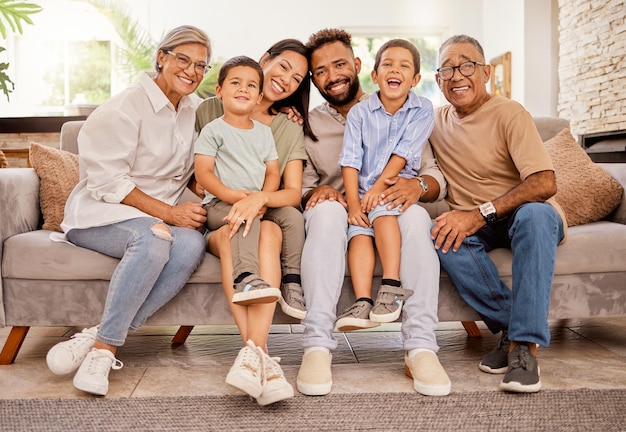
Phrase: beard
[345,98]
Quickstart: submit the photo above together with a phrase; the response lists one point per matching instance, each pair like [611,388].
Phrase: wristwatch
[423,184]
[489,212]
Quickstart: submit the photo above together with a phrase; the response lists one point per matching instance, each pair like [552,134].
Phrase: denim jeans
[323,271]
[151,271]
[532,233]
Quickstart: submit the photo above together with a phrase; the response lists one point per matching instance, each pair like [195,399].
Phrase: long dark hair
[300,98]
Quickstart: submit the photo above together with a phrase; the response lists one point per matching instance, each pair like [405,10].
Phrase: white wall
[527,28]
[250,26]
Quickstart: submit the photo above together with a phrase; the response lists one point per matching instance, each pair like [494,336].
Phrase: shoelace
[271,366]
[101,363]
[81,338]
[250,358]
[522,359]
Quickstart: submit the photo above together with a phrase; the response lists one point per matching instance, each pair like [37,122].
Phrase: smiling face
[395,75]
[466,94]
[175,81]
[240,91]
[283,74]
[335,74]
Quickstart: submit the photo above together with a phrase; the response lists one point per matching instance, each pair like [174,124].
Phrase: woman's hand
[247,208]
[187,215]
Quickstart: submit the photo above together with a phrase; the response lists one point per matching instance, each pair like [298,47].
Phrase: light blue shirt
[373,135]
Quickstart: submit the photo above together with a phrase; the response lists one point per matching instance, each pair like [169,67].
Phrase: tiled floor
[584,353]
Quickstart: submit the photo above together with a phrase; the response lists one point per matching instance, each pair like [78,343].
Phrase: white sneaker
[274,384]
[65,357]
[93,373]
[245,373]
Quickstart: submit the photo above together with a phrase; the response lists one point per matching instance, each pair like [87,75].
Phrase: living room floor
[589,353]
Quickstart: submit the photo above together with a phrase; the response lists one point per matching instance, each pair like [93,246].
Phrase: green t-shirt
[288,135]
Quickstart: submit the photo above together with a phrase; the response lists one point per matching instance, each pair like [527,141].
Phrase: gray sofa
[46,283]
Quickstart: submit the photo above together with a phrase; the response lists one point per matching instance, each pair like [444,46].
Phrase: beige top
[489,152]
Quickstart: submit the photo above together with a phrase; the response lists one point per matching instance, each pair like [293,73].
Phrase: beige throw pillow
[585,191]
[58,174]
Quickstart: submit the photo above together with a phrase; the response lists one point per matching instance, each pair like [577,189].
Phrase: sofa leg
[13,344]
[181,335]
[471,328]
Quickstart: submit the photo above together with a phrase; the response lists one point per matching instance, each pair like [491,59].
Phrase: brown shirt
[489,152]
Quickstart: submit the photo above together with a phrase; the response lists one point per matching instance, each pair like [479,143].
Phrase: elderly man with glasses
[501,188]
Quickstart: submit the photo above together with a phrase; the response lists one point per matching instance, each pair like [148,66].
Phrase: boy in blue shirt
[384,137]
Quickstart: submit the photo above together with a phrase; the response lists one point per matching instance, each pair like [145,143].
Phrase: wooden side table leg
[13,344]
[471,328]
[181,335]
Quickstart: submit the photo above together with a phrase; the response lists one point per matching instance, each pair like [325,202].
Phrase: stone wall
[592,65]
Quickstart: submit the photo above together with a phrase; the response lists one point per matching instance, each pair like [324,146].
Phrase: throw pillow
[58,174]
[585,191]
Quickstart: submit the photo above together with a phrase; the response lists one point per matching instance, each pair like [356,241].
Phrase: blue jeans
[532,233]
[151,271]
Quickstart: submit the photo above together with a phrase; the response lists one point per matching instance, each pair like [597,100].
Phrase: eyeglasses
[466,69]
[183,62]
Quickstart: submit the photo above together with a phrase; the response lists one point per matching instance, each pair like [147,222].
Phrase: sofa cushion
[55,260]
[58,174]
[585,191]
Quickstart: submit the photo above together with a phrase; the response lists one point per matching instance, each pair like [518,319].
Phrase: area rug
[575,410]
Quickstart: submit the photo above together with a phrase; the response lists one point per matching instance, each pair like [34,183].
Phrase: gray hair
[183,35]
[462,39]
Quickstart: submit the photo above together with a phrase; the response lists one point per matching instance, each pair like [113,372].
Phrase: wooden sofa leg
[13,344]
[471,328]
[181,335]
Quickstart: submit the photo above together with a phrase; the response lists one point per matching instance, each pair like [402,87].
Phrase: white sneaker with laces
[93,373]
[65,357]
[274,384]
[246,372]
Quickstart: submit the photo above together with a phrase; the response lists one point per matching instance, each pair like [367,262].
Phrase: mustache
[341,81]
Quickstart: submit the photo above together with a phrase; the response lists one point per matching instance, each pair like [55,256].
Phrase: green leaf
[16,12]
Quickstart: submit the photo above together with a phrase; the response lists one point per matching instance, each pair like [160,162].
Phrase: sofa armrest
[19,212]
[618,171]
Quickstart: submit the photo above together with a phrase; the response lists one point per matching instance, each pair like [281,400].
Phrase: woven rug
[575,410]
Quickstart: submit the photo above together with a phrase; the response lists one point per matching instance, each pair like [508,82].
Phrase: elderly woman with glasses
[136,159]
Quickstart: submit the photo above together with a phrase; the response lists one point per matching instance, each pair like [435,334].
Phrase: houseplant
[13,13]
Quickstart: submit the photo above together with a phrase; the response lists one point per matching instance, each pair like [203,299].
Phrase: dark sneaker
[496,361]
[292,300]
[356,317]
[253,290]
[389,303]
[522,376]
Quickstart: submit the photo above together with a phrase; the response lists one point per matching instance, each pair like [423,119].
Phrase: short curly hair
[326,36]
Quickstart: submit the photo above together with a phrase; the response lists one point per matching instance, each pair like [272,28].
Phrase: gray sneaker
[389,303]
[253,290]
[292,300]
[522,376]
[496,361]
[356,317]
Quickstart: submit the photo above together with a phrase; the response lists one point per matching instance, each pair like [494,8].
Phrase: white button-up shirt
[135,139]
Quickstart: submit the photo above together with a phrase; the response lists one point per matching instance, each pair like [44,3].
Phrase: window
[366,44]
